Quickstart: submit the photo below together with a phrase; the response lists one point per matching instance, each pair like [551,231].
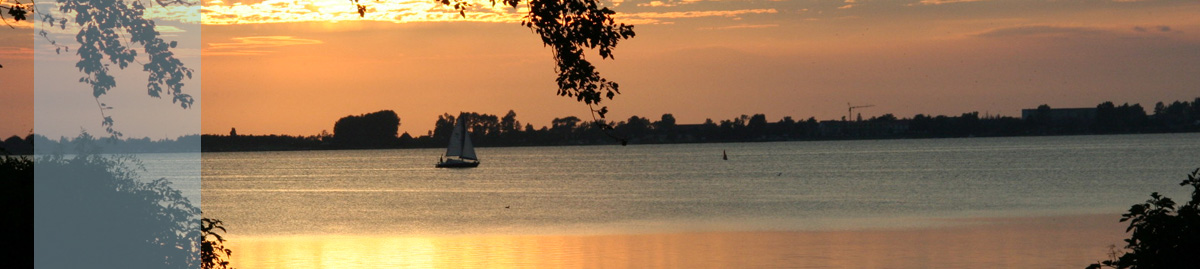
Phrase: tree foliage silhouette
[213,253]
[1161,235]
[371,130]
[16,183]
[109,33]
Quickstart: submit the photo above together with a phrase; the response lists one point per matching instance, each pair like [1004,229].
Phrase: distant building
[1062,115]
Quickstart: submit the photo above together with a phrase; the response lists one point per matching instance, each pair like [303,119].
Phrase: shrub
[1161,235]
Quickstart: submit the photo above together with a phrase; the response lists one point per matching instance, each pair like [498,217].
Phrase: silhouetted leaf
[17,12]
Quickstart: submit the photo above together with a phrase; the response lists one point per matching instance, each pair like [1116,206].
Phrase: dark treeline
[371,130]
[67,145]
[378,130]
[17,146]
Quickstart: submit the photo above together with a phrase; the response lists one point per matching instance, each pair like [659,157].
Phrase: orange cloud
[939,2]
[10,53]
[668,3]
[1042,31]
[741,26]
[255,45]
[658,17]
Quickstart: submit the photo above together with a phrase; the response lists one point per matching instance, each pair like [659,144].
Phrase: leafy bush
[1161,235]
[90,211]
[213,253]
[16,176]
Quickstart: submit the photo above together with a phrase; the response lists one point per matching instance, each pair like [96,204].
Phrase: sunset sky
[16,82]
[296,66]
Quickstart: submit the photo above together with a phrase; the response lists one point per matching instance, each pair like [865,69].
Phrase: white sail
[461,152]
[456,141]
[468,150]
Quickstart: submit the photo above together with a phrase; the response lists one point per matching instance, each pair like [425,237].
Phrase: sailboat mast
[462,139]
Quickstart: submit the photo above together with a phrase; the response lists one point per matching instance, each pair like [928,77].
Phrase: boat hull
[457,164]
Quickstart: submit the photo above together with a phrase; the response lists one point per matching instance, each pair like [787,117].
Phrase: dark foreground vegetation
[1161,235]
[91,211]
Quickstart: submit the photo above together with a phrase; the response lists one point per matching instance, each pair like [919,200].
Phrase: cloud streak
[1160,28]
[255,45]
[942,2]
[1051,31]
[668,3]
[1042,31]
[659,17]
[10,53]
[741,26]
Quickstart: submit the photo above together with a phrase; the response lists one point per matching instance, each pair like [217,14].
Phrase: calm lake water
[374,195]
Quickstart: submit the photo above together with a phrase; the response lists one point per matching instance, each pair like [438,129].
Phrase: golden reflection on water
[1044,242]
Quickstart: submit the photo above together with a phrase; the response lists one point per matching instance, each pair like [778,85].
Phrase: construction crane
[850,113]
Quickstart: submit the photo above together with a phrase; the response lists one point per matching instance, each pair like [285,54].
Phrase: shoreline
[614,143]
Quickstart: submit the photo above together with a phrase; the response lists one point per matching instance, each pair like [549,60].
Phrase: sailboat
[460,153]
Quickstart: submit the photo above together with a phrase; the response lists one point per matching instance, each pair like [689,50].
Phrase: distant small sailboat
[460,153]
[724,156]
